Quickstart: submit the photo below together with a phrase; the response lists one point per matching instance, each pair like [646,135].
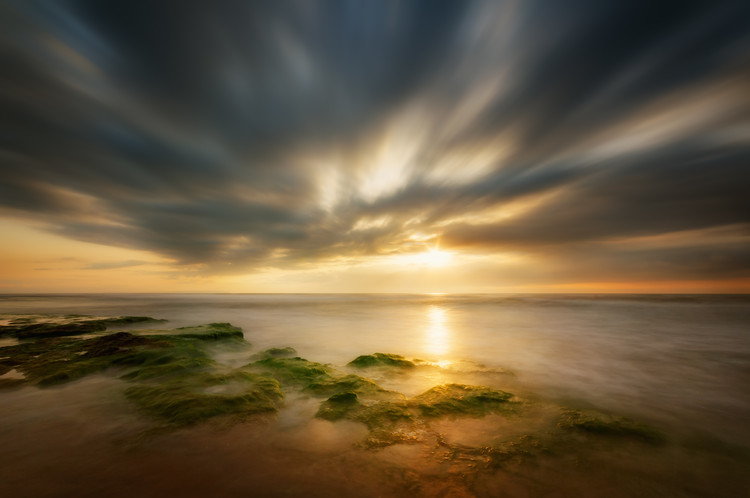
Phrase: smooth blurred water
[674,359]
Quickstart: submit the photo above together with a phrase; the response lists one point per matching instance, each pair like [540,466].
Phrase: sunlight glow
[437,334]
[434,257]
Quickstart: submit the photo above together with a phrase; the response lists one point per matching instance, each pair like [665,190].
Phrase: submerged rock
[294,371]
[128,320]
[286,352]
[38,330]
[381,360]
[375,415]
[208,332]
[147,354]
[440,401]
[52,361]
[321,380]
[181,357]
[350,384]
[461,400]
[189,401]
[608,426]
[175,379]
[38,326]
[120,342]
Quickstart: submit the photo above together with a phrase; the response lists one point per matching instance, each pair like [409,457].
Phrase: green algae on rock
[180,357]
[461,400]
[191,400]
[374,415]
[321,380]
[40,326]
[176,380]
[40,330]
[208,332]
[381,360]
[440,401]
[287,352]
[294,371]
[350,384]
[53,361]
[608,426]
[129,320]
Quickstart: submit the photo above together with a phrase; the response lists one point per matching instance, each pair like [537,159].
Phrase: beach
[470,395]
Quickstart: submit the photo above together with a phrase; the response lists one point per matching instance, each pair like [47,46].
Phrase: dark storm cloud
[245,133]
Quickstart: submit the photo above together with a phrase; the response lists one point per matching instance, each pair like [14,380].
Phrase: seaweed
[320,380]
[128,320]
[177,382]
[180,356]
[287,352]
[461,400]
[350,384]
[35,327]
[294,371]
[164,364]
[117,343]
[53,361]
[39,330]
[382,414]
[186,401]
[378,415]
[208,332]
[381,360]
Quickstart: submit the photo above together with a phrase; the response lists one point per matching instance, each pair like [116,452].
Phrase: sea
[680,363]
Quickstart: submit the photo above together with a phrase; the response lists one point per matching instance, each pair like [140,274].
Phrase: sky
[375,146]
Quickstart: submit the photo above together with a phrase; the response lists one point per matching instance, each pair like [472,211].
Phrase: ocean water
[678,362]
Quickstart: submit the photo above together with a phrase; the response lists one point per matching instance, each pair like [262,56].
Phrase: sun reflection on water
[437,334]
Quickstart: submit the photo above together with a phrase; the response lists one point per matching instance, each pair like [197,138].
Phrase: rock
[381,360]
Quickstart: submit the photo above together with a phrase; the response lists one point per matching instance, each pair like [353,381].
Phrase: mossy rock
[295,371]
[351,384]
[182,356]
[377,415]
[381,360]
[165,365]
[440,401]
[39,326]
[53,361]
[117,343]
[208,332]
[191,400]
[40,330]
[461,400]
[608,426]
[286,352]
[129,320]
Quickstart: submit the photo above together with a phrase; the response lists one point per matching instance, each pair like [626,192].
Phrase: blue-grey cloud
[274,133]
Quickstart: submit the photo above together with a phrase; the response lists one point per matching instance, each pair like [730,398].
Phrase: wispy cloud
[110,265]
[237,136]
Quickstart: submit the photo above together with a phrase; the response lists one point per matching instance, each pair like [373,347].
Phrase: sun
[434,258]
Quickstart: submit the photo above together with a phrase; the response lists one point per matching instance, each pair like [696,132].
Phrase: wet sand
[86,439]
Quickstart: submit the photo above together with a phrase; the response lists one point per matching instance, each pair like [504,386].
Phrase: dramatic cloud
[607,140]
